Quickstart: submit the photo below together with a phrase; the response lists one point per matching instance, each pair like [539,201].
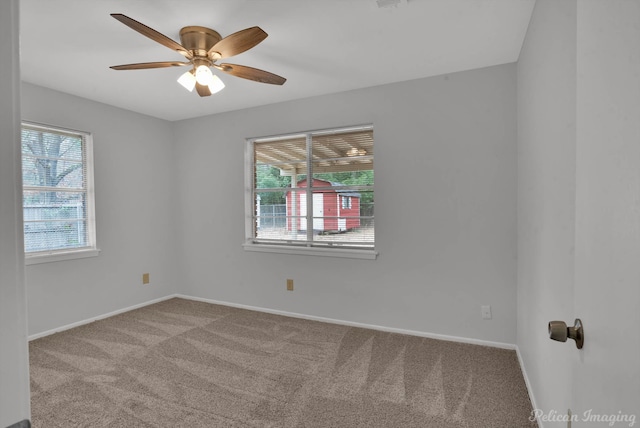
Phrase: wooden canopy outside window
[331,152]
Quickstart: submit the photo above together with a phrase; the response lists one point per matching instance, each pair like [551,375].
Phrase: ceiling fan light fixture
[354,151]
[202,47]
[188,80]
[216,85]
[204,76]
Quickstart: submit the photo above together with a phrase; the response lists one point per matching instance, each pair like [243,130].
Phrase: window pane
[348,178]
[349,223]
[359,233]
[62,199]
[342,152]
[52,173]
[278,160]
[280,219]
[54,220]
[54,235]
[269,177]
[281,234]
[53,205]
[57,145]
[52,160]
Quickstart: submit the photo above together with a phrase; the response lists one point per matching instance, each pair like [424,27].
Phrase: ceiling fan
[203,48]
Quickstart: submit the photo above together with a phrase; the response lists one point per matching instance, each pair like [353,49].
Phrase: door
[318,211]
[303,211]
[606,372]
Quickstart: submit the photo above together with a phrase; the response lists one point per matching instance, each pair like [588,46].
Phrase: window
[312,193]
[58,202]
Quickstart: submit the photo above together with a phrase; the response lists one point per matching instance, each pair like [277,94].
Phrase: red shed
[334,210]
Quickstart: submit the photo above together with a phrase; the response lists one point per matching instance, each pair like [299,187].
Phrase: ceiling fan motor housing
[199,40]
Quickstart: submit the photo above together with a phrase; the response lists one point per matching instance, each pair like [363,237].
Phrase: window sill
[349,253]
[58,256]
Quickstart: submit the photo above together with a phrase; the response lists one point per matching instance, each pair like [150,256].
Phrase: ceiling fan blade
[152,34]
[145,65]
[251,73]
[203,90]
[238,42]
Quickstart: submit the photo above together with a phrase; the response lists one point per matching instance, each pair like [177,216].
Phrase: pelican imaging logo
[611,419]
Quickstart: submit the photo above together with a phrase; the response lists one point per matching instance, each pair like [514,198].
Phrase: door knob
[559,331]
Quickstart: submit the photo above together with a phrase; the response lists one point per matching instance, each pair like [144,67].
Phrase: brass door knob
[559,331]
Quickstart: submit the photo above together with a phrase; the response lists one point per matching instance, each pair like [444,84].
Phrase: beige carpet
[181,363]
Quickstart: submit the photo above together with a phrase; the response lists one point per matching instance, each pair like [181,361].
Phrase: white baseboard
[356,324]
[528,385]
[99,317]
[289,314]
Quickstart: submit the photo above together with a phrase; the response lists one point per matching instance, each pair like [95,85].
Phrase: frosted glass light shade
[188,80]
[204,75]
[216,84]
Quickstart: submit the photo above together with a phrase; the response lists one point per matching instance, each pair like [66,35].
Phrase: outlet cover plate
[486,312]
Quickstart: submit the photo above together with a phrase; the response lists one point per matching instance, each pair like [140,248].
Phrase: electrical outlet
[145,278]
[486,312]
[289,284]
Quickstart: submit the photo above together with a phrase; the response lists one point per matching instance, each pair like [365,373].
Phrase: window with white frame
[346,202]
[58,199]
[312,190]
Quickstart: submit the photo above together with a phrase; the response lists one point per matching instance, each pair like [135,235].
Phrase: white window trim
[92,250]
[58,256]
[349,253]
[302,249]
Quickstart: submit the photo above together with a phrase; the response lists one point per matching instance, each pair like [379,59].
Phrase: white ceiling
[320,46]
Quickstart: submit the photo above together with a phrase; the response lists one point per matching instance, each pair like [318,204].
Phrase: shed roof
[339,191]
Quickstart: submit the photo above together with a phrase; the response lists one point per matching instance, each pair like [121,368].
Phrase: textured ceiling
[321,47]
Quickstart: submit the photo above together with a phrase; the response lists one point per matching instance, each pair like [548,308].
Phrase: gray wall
[135,176]
[546,196]
[173,206]
[445,188]
[14,371]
